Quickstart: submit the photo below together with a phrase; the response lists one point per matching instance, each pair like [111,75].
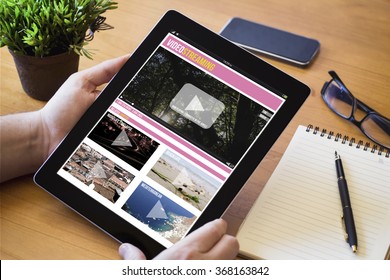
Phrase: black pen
[347,217]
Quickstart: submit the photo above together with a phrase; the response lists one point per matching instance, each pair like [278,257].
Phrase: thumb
[130,252]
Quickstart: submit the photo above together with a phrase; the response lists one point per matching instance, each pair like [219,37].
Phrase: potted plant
[46,38]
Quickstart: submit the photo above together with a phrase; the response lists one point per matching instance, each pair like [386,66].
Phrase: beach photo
[160,213]
[184,179]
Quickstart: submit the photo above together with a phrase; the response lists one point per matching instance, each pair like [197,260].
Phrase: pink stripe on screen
[169,144]
[176,137]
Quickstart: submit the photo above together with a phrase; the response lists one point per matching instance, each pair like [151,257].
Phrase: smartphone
[271,41]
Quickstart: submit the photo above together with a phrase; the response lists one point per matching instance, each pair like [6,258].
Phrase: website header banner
[214,67]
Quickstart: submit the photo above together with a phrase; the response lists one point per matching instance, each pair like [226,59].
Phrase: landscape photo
[184,179]
[160,213]
[200,108]
[98,172]
[124,141]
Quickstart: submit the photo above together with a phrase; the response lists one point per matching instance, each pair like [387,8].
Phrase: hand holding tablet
[173,137]
[210,242]
[48,126]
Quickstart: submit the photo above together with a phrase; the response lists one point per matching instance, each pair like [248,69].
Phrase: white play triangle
[97,171]
[122,140]
[157,212]
[182,178]
[195,105]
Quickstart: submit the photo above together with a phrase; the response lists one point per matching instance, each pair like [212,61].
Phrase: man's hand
[73,98]
[206,243]
[27,139]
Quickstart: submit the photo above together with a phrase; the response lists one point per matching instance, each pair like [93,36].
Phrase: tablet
[173,137]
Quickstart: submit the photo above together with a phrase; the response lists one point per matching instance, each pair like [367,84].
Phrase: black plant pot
[41,77]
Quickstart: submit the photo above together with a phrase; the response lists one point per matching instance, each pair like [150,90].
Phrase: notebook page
[298,214]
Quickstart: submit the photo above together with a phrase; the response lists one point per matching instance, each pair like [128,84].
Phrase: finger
[205,237]
[130,252]
[96,93]
[103,72]
[225,249]
[200,243]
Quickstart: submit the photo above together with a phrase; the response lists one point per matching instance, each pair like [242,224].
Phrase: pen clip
[344,227]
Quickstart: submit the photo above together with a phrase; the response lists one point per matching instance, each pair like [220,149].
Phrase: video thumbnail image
[97,171]
[200,108]
[124,141]
[184,179]
[160,213]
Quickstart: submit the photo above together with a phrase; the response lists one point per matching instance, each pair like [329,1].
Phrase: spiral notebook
[298,214]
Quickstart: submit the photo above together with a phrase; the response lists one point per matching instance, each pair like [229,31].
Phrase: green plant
[49,27]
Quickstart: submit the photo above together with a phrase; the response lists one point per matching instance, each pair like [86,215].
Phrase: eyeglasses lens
[338,99]
[378,128]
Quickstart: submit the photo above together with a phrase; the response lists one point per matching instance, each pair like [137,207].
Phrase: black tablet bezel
[259,70]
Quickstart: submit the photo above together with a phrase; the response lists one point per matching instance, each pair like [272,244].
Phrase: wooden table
[355,41]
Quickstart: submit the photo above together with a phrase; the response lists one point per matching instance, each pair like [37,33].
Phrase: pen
[347,217]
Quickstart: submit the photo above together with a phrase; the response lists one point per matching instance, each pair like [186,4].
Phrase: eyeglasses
[341,101]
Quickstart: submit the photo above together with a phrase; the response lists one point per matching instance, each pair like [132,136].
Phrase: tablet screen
[173,136]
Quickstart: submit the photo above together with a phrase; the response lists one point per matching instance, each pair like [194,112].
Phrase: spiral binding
[345,139]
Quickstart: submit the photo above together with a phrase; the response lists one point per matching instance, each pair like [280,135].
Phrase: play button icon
[197,106]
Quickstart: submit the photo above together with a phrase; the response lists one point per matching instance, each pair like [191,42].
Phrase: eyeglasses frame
[356,103]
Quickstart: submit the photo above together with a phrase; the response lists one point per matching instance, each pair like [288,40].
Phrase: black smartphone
[271,41]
